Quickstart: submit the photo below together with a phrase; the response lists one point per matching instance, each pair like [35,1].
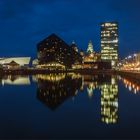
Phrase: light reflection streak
[132,86]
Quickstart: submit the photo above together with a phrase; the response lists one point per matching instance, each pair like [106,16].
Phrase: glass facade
[109,43]
[54,49]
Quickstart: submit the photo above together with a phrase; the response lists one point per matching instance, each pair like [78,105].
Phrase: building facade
[91,55]
[54,51]
[15,62]
[109,42]
[131,62]
[76,56]
[92,59]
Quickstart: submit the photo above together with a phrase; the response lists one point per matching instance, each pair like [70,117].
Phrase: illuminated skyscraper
[90,47]
[109,43]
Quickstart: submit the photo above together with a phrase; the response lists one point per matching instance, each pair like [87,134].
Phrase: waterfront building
[90,47]
[54,50]
[77,57]
[35,62]
[91,59]
[131,62]
[12,65]
[109,42]
[82,53]
[74,46]
[15,62]
[90,55]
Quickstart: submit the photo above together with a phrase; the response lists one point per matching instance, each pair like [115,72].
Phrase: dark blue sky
[23,23]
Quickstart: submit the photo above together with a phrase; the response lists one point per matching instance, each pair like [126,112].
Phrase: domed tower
[90,47]
[74,46]
[81,52]
[76,57]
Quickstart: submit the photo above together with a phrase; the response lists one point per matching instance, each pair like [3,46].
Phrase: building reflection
[54,89]
[90,89]
[132,85]
[109,101]
[15,80]
[90,83]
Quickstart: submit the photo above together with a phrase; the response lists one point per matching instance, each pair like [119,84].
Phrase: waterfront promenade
[46,71]
[33,71]
[131,74]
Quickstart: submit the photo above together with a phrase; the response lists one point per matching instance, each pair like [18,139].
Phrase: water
[69,106]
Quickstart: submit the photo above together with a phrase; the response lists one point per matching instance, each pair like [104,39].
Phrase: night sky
[23,23]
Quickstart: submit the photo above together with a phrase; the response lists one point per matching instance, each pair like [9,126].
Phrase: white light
[135,55]
[129,56]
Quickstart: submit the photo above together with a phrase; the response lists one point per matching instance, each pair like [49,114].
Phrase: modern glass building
[53,52]
[109,42]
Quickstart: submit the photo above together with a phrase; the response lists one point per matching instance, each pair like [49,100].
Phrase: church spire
[90,47]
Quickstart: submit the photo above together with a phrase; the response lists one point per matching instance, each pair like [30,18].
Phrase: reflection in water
[90,89]
[109,101]
[53,90]
[91,83]
[52,77]
[132,85]
[15,80]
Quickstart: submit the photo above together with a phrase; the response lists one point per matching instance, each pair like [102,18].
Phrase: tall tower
[90,47]
[74,46]
[109,42]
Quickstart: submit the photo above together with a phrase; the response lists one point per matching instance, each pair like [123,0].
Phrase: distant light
[135,55]
[129,56]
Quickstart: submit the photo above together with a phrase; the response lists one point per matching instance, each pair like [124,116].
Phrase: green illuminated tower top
[90,47]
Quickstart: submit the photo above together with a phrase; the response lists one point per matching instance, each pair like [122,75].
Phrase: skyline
[25,23]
